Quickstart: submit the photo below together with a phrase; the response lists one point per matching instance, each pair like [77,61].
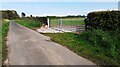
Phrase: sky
[59,0]
[58,8]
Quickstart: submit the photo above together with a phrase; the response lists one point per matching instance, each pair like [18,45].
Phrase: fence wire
[69,24]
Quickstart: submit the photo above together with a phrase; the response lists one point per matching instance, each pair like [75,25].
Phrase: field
[67,22]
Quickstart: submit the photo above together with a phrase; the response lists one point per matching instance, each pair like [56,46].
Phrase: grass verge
[84,48]
[0,42]
[5,28]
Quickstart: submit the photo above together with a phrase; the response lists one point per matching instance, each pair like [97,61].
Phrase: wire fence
[68,24]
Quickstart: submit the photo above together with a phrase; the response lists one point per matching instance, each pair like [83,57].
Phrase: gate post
[61,24]
[48,22]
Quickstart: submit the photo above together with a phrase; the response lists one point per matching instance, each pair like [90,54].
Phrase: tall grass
[5,28]
[106,44]
[97,46]
[0,42]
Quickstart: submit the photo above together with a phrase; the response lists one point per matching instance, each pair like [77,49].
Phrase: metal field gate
[68,24]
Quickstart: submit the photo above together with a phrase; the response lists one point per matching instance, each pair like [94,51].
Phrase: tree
[9,14]
[23,14]
[31,16]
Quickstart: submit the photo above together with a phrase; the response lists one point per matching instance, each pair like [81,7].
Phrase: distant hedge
[9,14]
[41,19]
[105,20]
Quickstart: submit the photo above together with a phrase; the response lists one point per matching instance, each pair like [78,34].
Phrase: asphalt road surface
[28,47]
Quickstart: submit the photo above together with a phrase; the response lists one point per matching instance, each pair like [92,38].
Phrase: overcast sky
[58,8]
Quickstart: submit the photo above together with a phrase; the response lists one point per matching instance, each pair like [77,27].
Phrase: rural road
[27,47]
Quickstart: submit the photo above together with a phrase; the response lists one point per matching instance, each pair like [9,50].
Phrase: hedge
[41,19]
[105,20]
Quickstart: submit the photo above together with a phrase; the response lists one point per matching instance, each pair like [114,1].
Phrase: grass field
[67,21]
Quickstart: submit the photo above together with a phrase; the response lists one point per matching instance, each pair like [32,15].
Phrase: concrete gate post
[61,24]
[48,22]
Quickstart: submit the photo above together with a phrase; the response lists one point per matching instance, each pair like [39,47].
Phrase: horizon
[58,8]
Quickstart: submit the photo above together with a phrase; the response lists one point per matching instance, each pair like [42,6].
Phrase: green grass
[67,21]
[30,23]
[84,48]
[0,42]
[5,28]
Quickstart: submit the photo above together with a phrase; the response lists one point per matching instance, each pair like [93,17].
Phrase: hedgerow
[103,31]
[105,20]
